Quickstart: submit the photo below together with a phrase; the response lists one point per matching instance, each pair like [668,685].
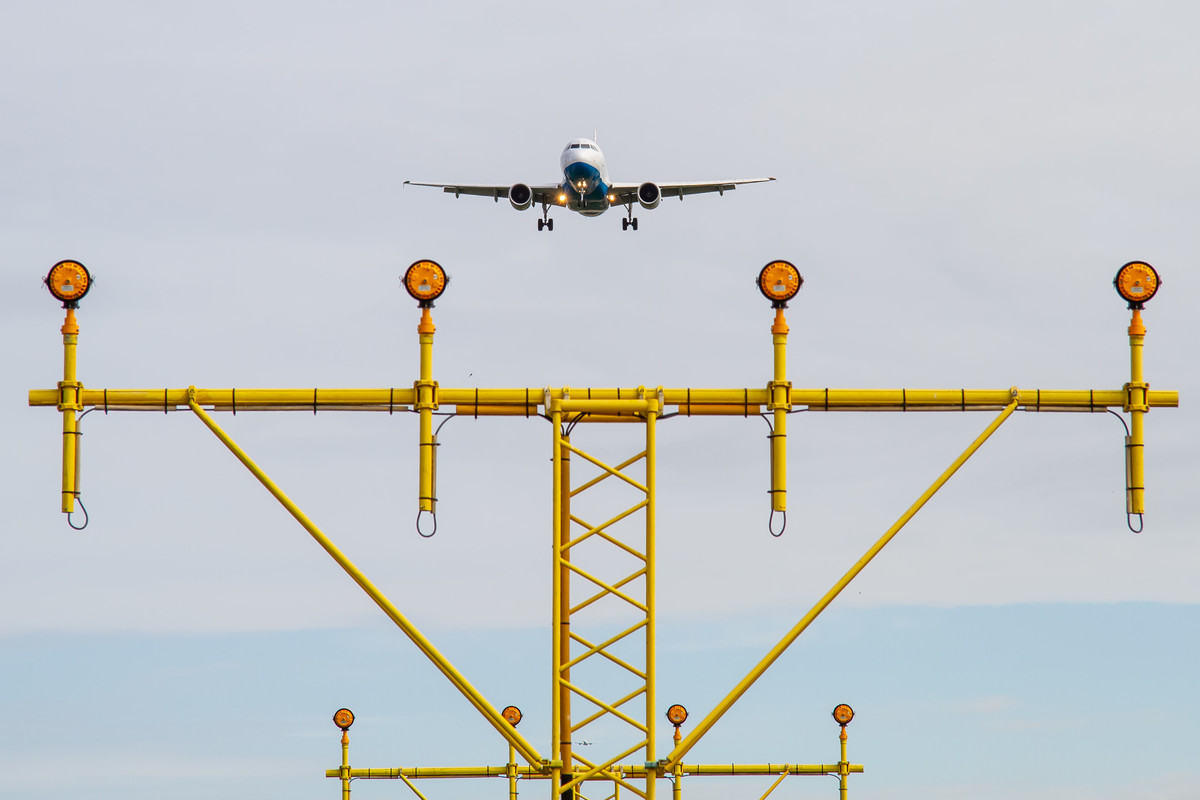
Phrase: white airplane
[586,190]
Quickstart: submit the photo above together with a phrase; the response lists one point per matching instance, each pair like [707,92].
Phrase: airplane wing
[541,194]
[627,192]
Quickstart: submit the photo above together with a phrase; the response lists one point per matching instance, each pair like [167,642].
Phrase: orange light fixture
[677,715]
[425,281]
[843,714]
[343,718]
[69,281]
[779,281]
[1136,282]
[512,714]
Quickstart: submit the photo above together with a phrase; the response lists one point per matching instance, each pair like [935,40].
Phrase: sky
[958,184]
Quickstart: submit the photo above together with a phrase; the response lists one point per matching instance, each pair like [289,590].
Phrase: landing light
[425,281]
[677,715]
[843,714]
[512,714]
[562,198]
[69,281]
[779,281]
[1136,282]
[343,718]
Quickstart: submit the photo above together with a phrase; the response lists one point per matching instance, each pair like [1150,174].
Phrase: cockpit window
[573,147]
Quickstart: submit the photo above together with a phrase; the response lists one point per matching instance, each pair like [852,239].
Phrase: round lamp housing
[512,714]
[843,714]
[1136,282]
[69,281]
[677,715]
[779,281]
[343,718]
[425,281]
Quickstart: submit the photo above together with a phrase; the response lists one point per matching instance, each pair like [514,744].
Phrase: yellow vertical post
[780,404]
[651,667]
[677,789]
[512,772]
[68,404]
[425,405]
[564,604]
[557,734]
[345,765]
[843,768]
[1135,483]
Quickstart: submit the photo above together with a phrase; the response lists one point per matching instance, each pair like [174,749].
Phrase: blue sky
[958,185]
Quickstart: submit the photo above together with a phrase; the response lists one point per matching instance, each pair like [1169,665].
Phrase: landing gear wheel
[547,224]
[630,220]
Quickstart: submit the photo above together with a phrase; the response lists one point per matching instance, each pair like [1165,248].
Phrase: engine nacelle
[521,196]
[649,195]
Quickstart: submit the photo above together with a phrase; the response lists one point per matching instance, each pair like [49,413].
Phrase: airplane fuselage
[585,178]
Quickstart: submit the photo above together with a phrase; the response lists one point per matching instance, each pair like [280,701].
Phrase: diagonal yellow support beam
[706,724]
[591,698]
[424,645]
[604,593]
[632,695]
[610,470]
[593,530]
[600,768]
[593,649]
[611,589]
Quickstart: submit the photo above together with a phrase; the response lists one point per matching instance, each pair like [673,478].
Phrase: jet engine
[521,196]
[649,195]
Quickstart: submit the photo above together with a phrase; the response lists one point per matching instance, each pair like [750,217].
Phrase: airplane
[586,190]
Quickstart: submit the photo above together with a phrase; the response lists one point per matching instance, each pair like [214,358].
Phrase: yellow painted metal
[778,781]
[636,770]
[564,603]
[559,573]
[651,617]
[344,772]
[574,405]
[520,402]
[512,773]
[843,768]
[426,402]
[569,770]
[424,645]
[411,785]
[780,389]
[1137,406]
[67,400]
[703,727]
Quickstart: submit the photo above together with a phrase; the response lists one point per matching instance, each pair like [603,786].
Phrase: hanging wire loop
[433,517]
[771,523]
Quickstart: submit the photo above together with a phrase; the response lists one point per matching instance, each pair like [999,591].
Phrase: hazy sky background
[958,183]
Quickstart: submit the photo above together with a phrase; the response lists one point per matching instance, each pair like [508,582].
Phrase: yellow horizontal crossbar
[529,402]
[630,770]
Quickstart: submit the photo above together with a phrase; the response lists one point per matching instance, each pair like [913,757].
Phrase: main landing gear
[630,220]
[545,223]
